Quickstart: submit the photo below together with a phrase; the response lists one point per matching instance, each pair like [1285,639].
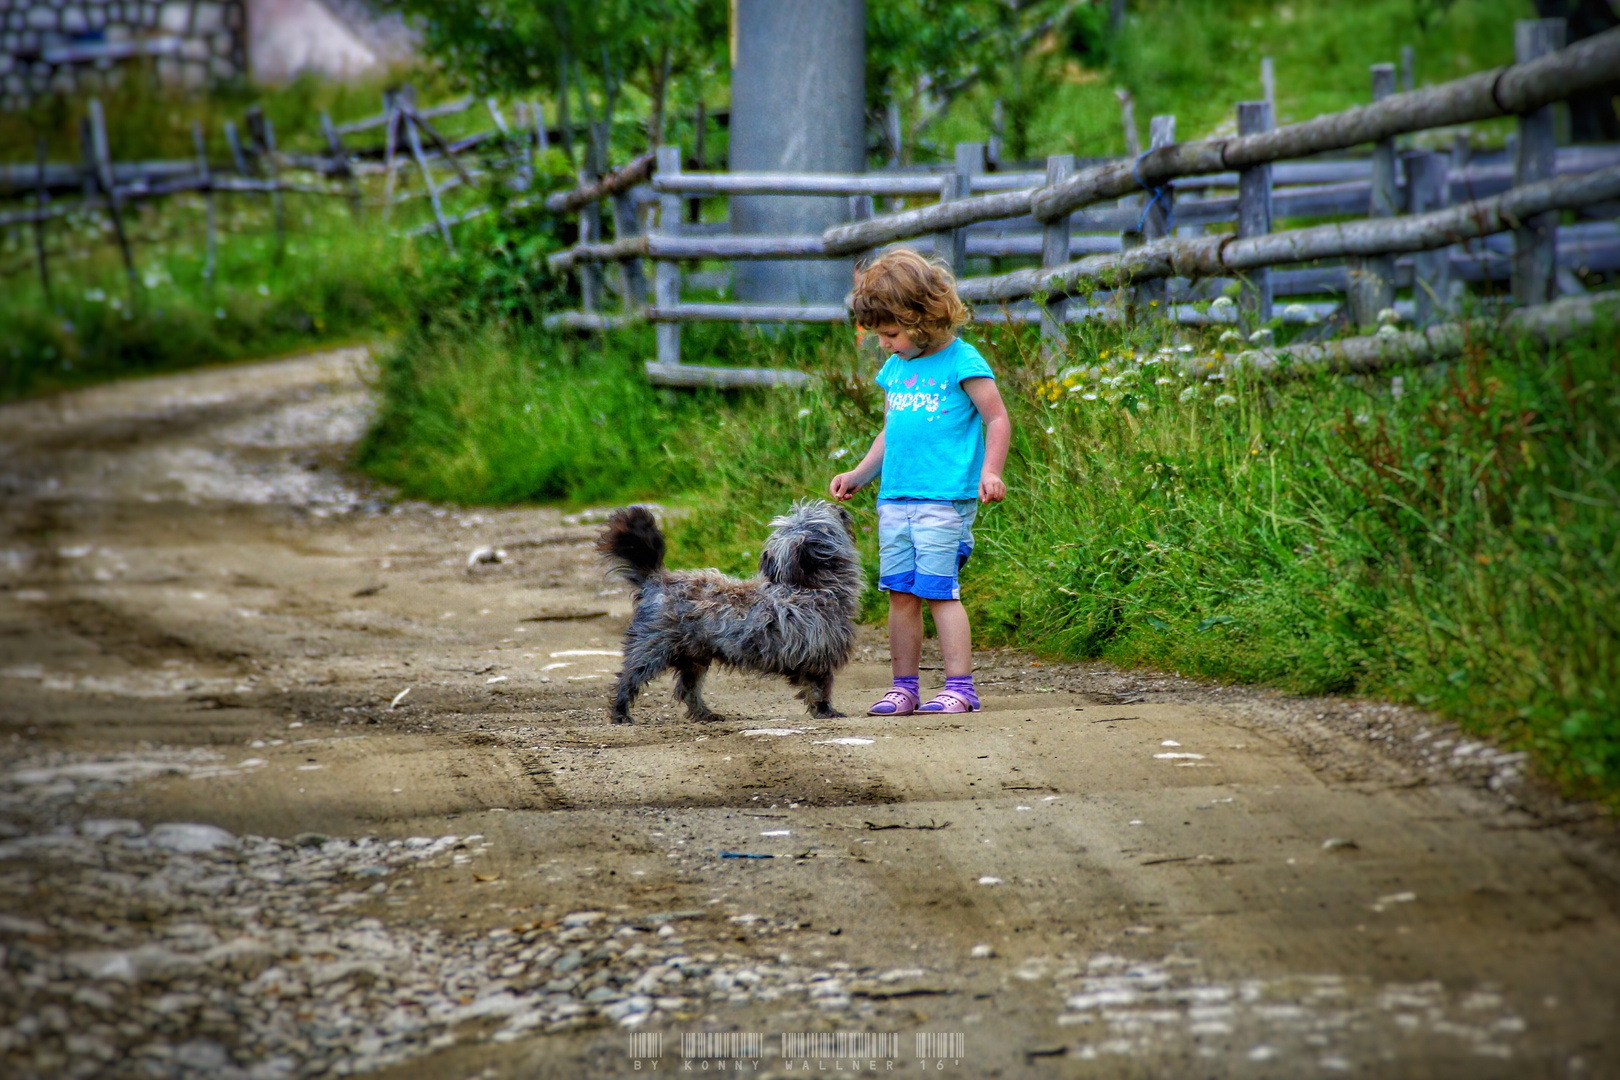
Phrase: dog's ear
[796,567]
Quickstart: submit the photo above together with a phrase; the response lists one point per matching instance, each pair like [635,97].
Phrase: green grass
[1456,546]
[332,282]
[1196,59]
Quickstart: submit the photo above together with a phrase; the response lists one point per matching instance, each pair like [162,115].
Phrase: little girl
[943,445]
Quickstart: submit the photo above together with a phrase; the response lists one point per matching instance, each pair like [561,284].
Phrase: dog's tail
[633,542]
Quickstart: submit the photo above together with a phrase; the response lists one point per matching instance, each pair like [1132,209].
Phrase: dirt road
[291,784]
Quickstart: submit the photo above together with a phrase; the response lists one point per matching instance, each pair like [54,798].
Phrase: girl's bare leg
[955,637]
[906,633]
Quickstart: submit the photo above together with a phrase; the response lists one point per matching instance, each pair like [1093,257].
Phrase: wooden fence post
[1268,84]
[700,145]
[42,199]
[1535,243]
[1372,277]
[264,133]
[951,247]
[1428,188]
[200,142]
[104,179]
[391,114]
[590,232]
[234,141]
[1127,119]
[343,164]
[667,272]
[1254,210]
[1055,252]
[415,140]
[1158,212]
[625,226]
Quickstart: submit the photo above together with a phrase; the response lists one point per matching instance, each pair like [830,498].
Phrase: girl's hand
[844,486]
[991,488]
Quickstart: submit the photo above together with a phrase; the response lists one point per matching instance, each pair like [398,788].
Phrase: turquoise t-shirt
[933,444]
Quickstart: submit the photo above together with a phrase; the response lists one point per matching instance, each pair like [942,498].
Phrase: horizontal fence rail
[1227,254]
[1483,96]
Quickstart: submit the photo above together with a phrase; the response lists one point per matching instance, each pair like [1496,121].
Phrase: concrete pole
[798,104]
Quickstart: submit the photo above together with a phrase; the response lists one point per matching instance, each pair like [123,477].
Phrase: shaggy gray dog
[795,619]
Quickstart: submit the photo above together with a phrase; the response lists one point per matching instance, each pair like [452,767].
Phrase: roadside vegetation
[1447,535]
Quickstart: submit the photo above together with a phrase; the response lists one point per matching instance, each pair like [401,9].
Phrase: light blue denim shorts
[922,546]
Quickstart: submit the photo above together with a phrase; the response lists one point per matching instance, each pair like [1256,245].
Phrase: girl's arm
[997,436]
[846,484]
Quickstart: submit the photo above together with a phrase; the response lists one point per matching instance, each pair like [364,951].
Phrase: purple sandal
[949,701]
[896,702]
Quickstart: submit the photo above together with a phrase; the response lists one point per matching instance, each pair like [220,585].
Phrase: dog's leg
[689,688]
[817,694]
[642,663]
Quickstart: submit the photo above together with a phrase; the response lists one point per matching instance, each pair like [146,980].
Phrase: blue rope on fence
[1157,193]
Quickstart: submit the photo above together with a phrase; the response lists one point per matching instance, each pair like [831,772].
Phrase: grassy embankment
[1456,546]
[1195,58]
[334,279]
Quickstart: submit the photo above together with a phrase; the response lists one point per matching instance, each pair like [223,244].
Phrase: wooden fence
[1132,230]
[257,166]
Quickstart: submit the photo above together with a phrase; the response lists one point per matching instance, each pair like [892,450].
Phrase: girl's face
[896,341]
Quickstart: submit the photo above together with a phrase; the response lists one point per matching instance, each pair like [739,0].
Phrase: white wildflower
[1163,380]
[1261,336]
[1296,311]
[1050,430]
[1223,400]
[1142,406]
[803,413]
[1189,393]
[1221,303]
[838,453]
[1184,348]
[1230,335]
[1088,397]
[1388,331]
[1389,316]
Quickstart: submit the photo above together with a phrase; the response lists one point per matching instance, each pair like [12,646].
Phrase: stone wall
[64,46]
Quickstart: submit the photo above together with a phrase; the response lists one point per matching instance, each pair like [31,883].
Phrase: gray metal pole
[798,104]
[1535,244]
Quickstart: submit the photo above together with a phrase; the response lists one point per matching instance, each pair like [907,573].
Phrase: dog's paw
[705,718]
[828,713]
[625,719]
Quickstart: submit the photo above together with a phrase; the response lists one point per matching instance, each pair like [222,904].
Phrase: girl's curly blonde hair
[905,289]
